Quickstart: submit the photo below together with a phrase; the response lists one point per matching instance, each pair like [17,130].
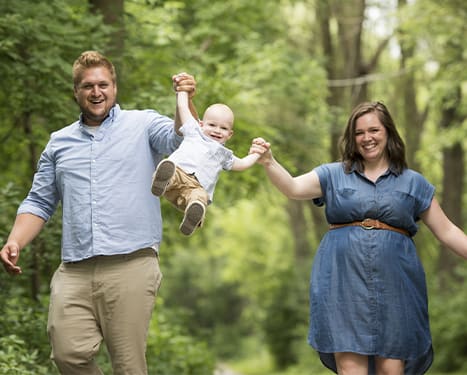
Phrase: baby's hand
[261,147]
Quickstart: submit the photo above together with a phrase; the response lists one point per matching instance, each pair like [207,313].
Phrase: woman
[368,308]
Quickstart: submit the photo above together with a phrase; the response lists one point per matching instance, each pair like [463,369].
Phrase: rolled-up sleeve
[43,197]
[162,135]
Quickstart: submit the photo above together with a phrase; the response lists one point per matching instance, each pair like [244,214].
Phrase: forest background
[237,291]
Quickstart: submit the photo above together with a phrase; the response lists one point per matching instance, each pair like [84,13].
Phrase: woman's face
[371,137]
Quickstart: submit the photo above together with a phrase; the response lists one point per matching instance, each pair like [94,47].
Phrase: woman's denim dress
[368,292]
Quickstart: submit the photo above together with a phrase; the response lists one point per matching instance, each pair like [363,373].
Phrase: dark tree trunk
[453,180]
[112,12]
[412,119]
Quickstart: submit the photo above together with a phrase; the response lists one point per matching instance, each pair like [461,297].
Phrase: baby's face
[220,131]
[217,123]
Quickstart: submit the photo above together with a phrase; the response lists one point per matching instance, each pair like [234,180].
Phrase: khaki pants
[108,298]
[183,189]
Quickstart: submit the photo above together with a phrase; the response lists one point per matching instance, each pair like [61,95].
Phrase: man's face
[96,95]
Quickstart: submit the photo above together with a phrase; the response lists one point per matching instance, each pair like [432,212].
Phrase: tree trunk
[343,60]
[298,224]
[453,180]
[412,119]
[112,12]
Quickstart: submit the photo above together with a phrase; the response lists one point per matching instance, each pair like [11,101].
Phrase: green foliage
[9,201]
[35,66]
[10,198]
[275,91]
[210,307]
[24,345]
[449,324]
[438,30]
[281,324]
[236,277]
[16,359]
[29,324]
[171,351]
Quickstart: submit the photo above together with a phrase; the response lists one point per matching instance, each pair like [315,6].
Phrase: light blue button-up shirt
[103,180]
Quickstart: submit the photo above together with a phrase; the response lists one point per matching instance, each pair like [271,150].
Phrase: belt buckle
[364,224]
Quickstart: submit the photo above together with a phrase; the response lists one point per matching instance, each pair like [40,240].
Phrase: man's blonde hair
[91,59]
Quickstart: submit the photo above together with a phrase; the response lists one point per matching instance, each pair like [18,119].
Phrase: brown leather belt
[371,224]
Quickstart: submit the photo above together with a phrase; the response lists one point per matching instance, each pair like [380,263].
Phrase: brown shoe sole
[161,177]
[194,214]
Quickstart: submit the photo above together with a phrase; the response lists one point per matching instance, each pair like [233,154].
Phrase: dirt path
[224,370]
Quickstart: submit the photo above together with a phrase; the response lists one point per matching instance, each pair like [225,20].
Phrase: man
[100,168]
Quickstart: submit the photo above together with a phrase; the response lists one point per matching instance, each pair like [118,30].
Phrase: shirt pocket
[403,203]
[343,205]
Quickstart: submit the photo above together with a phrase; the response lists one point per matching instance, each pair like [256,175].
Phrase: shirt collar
[113,113]
[391,169]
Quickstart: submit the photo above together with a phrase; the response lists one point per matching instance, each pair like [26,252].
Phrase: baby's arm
[184,84]
[245,163]
[183,110]
[183,107]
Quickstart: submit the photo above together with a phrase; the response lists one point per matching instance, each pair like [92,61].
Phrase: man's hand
[184,82]
[9,256]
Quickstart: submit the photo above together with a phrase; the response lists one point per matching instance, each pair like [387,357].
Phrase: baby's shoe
[194,215]
[161,177]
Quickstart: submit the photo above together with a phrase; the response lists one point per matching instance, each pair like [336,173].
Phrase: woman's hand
[263,148]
